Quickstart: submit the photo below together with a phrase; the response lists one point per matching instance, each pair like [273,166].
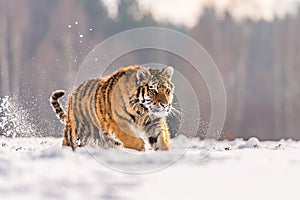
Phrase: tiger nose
[163,105]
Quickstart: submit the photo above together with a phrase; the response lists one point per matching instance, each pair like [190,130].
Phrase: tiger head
[155,90]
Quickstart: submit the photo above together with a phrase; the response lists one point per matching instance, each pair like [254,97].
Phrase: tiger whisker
[175,113]
[178,109]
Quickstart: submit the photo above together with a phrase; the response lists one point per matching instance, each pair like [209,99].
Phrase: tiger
[126,109]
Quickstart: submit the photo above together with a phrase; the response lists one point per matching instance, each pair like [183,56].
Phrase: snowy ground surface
[39,168]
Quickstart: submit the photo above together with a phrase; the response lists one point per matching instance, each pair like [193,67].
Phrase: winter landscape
[235,128]
[33,166]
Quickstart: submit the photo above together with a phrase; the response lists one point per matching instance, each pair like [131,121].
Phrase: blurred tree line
[42,43]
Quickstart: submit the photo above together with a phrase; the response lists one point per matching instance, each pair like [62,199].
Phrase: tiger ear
[142,74]
[168,72]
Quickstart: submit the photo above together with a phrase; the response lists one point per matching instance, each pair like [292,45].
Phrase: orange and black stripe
[98,106]
[54,100]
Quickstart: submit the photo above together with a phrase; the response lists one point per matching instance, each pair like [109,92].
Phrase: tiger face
[156,90]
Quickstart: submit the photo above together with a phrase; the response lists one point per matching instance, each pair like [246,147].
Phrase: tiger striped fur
[125,109]
[56,105]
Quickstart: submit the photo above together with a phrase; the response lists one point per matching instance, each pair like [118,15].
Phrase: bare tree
[4,64]
[12,36]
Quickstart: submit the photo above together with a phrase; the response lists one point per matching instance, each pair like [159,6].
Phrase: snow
[14,119]
[39,168]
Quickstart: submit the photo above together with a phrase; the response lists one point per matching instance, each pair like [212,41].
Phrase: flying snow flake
[90,29]
[69,26]
[15,120]
[76,22]
[80,35]
[96,59]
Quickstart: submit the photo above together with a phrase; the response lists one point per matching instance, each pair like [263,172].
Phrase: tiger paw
[115,143]
[118,144]
[153,143]
[158,144]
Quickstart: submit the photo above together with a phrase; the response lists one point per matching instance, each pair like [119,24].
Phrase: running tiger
[126,109]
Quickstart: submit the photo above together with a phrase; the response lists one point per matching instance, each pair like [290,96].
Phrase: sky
[179,12]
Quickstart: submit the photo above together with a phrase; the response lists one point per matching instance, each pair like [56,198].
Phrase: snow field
[39,168]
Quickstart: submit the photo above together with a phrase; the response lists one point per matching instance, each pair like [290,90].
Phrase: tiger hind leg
[66,140]
[70,137]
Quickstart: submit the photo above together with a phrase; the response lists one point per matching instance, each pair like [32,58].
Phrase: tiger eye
[152,92]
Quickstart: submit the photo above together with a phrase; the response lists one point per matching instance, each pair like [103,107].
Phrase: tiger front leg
[161,141]
[129,139]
